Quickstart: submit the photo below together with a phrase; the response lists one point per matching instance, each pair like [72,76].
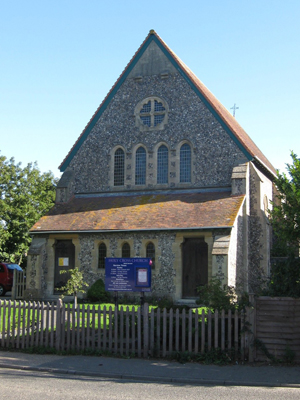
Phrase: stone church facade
[162,170]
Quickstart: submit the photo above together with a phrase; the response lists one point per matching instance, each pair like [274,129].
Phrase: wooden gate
[19,285]
[277,328]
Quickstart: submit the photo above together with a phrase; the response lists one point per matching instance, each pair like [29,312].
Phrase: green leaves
[285,220]
[25,195]
[74,284]
[285,216]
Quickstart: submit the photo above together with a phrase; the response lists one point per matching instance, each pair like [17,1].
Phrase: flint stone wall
[214,152]
[164,272]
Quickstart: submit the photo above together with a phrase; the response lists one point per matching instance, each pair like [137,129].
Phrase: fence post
[14,287]
[58,324]
[251,318]
[146,329]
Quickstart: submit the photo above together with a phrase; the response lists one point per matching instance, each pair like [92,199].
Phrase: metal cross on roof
[234,108]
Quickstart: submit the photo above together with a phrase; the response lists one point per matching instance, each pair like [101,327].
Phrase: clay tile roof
[142,212]
[225,115]
[238,132]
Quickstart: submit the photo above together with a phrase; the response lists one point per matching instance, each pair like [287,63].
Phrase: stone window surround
[118,252]
[112,166]
[128,247]
[120,246]
[119,167]
[154,250]
[151,166]
[132,169]
[178,147]
[138,108]
[100,244]
[155,150]
[145,243]
[95,254]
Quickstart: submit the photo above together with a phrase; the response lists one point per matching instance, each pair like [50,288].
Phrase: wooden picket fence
[277,327]
[142,332]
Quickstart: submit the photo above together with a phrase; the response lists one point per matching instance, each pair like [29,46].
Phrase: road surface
[23,385]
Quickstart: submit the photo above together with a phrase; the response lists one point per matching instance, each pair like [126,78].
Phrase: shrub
[285,278]
[97,292]
[221,297]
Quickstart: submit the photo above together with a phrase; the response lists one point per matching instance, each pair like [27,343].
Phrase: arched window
[126,250]
[101,255]
[185,163]
[150,253]
[119,162]
[162,164]
[140,166]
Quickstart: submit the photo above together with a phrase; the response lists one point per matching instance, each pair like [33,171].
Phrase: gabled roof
[229,123]
[173,211]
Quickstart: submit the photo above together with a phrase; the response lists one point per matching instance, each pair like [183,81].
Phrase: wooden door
[194,266]
[64,260]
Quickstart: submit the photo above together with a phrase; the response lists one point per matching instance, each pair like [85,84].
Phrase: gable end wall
[214,153]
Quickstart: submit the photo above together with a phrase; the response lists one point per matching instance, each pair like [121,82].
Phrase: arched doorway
[194,266]
[64,260]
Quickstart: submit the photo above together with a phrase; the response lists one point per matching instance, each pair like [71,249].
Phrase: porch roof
[142,212]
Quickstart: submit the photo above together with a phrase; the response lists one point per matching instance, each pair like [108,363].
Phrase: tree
[285,215]
[25,195]
[74,284]
[285,221]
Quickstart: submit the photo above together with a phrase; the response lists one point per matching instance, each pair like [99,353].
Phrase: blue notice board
[128,274]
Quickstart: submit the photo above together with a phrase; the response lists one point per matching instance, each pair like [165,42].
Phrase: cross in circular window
[152,113]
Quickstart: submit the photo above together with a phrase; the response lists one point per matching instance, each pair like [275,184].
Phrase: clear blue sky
[60,58]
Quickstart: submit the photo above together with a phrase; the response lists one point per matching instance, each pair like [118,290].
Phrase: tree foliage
[285,277]
[25,195]
[285,215]
[74,284]
[285,221]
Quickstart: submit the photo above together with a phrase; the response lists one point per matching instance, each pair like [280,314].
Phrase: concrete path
[155,370]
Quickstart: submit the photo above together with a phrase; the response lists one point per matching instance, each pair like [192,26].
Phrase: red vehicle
[6,276]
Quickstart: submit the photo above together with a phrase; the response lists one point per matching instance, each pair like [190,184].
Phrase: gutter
[133,230]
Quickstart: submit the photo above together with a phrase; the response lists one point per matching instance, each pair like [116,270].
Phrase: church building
[162,170]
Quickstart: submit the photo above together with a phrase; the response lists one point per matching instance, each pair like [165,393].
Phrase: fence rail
[142,332]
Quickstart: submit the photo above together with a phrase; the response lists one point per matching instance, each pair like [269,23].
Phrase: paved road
[28,385]
[154,370]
